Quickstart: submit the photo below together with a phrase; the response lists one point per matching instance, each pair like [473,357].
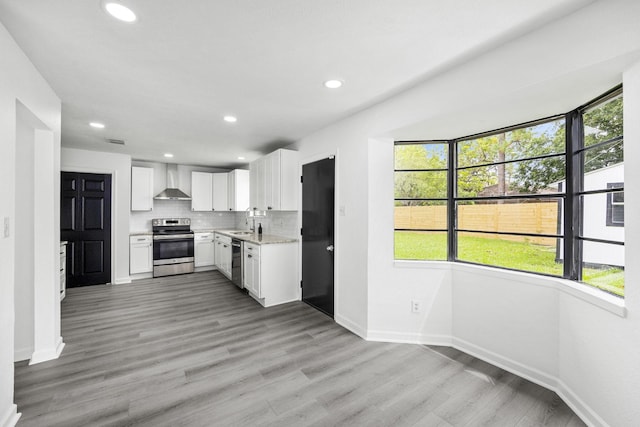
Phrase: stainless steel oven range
[172,246]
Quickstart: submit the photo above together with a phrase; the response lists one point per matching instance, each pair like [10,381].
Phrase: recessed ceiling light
[333,84]
[120,12]
[240,158]
[168,155]
[230,119]
[96,125]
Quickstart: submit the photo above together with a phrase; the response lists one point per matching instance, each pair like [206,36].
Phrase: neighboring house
[604,216]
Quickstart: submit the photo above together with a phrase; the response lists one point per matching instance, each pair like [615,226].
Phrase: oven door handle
[174,237]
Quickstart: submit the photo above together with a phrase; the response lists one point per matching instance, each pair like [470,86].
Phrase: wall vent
[116,141]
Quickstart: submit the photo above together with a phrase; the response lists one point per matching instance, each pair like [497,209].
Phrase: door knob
[330,248]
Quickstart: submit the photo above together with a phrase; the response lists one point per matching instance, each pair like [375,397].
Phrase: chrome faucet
[249,213]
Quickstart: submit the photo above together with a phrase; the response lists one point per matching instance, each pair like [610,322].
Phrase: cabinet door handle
[269,208]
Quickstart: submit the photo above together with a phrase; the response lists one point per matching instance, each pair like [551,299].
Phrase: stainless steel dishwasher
[236,262]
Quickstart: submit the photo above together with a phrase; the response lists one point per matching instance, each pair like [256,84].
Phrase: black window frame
[507,198]
[572,213]
[429,199]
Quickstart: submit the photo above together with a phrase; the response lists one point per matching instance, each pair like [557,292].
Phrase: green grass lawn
[501,253]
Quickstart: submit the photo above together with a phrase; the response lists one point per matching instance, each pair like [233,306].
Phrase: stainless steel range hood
[172,192]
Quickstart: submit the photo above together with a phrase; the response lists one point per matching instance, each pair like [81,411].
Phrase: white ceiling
[164,83]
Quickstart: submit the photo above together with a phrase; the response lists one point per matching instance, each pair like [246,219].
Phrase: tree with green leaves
[411,183]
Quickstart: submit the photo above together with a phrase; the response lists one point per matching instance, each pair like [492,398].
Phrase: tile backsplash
[279,223]
[141,221]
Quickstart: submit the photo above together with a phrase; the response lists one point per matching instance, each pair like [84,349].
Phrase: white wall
[20,81]
[351,229]
[24,265]
[119,166]
[566,336]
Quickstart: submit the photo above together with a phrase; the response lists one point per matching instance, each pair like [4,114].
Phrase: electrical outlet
[7,227]
[416,306]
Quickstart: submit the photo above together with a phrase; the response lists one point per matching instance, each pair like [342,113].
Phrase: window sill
[431,265]
[591,295]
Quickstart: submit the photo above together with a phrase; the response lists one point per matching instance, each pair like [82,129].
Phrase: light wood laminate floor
[194,350]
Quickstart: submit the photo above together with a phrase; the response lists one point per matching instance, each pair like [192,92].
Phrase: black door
[318,188]
[85,222]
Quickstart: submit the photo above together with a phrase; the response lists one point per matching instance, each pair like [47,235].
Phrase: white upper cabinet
[209,191]
[141,189]
[201,191]
[274,181]
[220,191]
[238,190]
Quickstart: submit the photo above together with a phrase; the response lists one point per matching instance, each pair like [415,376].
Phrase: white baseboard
[47,354]
[586,414]
[59,347]
[122,281]
[10,417]
[284,301]
[582,410]
[21,354]
[351,325]
[520,369]
[140,276]
[408,338]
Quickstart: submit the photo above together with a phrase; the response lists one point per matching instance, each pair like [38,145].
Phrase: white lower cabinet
[204,250]
[140,254]
[269,275]
[223,254]
[251,267]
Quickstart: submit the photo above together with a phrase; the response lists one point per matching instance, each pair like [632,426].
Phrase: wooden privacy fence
[536,218]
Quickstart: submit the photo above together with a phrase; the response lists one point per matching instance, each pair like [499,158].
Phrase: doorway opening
[318,216]
[36,300]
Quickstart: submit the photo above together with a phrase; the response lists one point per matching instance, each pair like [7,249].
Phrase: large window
[505,198]
[599,245]
[508,198]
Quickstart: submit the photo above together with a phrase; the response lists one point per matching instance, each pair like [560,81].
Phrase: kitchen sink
[241,233]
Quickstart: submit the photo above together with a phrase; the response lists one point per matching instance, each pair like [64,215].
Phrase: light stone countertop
[264,239]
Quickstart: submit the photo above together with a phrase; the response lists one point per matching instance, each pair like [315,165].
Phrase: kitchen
[230,225]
